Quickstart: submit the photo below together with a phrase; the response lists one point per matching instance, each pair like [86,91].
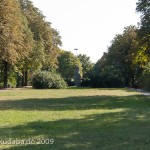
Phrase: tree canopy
[128,56]
[27,40]
[67,62]
[29,44]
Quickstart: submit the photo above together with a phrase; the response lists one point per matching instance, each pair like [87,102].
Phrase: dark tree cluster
[127,61]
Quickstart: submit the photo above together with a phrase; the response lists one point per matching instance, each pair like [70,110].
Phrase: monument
[77,76]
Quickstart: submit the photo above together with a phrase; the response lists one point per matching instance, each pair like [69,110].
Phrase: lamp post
[77,76]
[76,51]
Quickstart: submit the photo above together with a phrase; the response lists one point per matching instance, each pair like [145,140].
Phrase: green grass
[77,119]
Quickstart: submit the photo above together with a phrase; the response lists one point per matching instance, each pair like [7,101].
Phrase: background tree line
[127,61]
[29,44]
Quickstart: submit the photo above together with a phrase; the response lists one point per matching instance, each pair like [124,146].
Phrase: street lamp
[76,51]
[77,76]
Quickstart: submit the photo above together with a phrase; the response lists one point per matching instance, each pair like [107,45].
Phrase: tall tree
[124,47]
[46,39]
[12,35]
[143,6]
[143,55]
[120,57]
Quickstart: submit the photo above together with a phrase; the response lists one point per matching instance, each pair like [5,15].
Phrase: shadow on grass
[116,130]
[82,87]
[94,132]
[77,103]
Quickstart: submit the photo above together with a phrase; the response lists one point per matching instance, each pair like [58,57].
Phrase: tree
[120,58]
[67,62]
[143,55]
[53,53]
[124,47]
[46,40]
[86,65]
[12,35]
[143,6]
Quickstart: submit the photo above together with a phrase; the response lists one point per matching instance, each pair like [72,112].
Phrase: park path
[140,91]
[143,92]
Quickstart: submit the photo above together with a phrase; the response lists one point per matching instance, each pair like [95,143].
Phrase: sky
[88,25]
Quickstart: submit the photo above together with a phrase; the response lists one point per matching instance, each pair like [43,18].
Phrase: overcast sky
[89,25]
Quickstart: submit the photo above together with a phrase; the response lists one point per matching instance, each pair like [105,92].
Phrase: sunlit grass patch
[81,119]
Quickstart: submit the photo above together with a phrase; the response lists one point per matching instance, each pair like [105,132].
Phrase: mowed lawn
[76,119]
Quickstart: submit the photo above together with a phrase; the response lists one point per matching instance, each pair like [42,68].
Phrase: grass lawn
[76,119]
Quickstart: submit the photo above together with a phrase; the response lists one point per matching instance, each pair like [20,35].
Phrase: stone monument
[77,76]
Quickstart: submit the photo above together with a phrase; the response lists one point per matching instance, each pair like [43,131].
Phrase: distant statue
[77,76]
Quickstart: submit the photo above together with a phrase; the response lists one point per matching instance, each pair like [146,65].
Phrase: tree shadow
[76,103]
[104,131]
[94,132]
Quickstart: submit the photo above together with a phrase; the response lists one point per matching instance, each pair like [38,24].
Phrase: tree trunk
[26,77]
[22,84]
[5,79]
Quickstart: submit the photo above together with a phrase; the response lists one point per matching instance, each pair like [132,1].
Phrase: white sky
[88,25]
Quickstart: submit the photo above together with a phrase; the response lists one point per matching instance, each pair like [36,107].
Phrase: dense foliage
[87,66]
[29,44]
[48,80]
[67,62]
[128,56]
[27,41]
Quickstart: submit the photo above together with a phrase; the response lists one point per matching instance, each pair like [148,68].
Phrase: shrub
[1,85]
[106,81]
[147,83]
[11,82]
[48,80]
[85,82]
